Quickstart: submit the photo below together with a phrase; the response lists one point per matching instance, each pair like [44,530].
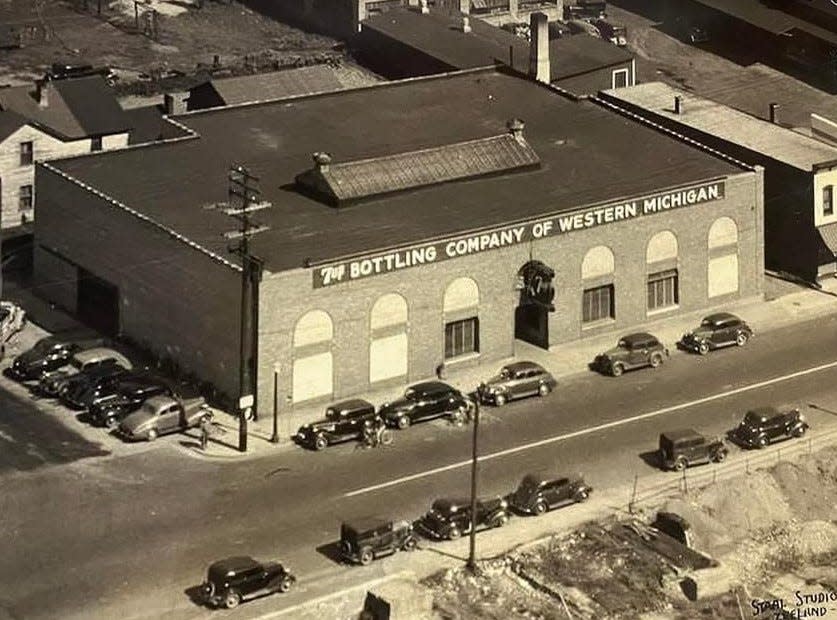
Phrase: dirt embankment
[774,532]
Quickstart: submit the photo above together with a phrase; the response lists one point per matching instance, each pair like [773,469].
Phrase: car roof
[234,564]
[681,434]
[546,475]
[720,317]
[95,353]
[451,504]
[763,412]
[524,365]
[352,404]
[638,337]
[430,386]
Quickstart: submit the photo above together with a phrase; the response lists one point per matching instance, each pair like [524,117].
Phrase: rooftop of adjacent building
[439,34]
[586,155]
[734,126]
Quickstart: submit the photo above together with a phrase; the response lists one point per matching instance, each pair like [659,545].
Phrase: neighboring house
[408,43]
[48,120]
[263,87]
[800,172]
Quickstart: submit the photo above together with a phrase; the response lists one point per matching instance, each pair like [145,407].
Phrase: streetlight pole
[275,437]
[472,554]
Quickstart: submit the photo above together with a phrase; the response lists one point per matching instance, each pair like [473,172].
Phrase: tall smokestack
[539,47]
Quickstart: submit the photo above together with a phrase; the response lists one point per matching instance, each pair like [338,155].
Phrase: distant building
[407,42]
[800,172]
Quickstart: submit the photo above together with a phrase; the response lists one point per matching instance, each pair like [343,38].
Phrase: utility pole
[244,197]
[472,552]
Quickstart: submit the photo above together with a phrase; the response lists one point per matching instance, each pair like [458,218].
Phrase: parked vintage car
[50,383]
[683,448]
[517,380]
[115,402]
[161,415]
[764,425]
[369,538]
[343,421]
[450,518]
[80,389]
[425,401]
[241,578]
[541,491]
[12,320]
[632,351]
[716,330]
[48,354]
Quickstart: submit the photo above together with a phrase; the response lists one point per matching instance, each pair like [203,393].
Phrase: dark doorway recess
[98,303]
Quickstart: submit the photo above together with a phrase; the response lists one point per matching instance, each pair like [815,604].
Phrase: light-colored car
[52,382]
[161,415]
[517,380]
[12,320]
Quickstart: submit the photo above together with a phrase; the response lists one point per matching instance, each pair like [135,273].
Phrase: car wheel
[499,400]
[680,464]
[285,585]
[656,360]
[741,339]
[410,544]
[544,389]
[152,434]
[541,507]
[581,495]
[761,442]
[403,422]
[799,431]
[366,557]
[703,348]
[232,599]
[719,456]
[454,533]
[320,443]
[617,370]
[205,419]
[386,437]
[111,423]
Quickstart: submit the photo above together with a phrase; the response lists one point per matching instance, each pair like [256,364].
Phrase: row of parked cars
[134,402]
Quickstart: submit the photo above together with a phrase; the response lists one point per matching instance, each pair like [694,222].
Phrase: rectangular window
[95,144]
[620,78]
[597,304]
[26,153]
[25,198]
[828,200]
[662,289]
[461,337]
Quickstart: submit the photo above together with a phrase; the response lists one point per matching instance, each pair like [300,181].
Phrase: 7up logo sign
[332,274]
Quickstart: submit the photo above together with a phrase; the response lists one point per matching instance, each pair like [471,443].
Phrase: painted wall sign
[376,264]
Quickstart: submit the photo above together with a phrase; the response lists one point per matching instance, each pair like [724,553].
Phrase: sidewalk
[783,304]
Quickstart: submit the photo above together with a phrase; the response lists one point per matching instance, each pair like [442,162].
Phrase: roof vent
[322,161]
[515,127]
[424,8]
[773,116]
[678,105]
[466,25]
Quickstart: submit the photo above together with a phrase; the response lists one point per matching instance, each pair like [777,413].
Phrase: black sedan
[542,491]
[425,401]
[343,421]
[764,425]
[114,404]
[80,389]
[48,354]
[716,330]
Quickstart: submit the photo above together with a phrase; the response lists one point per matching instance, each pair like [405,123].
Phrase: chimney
[773,108]
[678,105]
[465,6]
[175,103]
[539,47]
[321,161]
[42,88]
[424,8]
[466,25]
[515,127]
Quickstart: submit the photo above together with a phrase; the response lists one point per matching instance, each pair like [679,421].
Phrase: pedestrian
[440,371]
[204,433]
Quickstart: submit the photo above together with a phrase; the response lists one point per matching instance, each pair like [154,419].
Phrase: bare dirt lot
[773,532]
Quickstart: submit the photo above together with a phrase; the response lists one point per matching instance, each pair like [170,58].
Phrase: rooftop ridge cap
[679,136]
[328,93]
[140,216]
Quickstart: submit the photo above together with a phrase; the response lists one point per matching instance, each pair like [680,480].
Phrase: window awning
[829,236]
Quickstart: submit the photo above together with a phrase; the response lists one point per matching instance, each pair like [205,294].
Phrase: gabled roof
[10,122]
[354,180]
[721,121]
[439,35]
[76,108]
[275,85]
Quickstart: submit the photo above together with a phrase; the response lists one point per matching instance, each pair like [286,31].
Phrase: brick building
[800,171]
[435,225]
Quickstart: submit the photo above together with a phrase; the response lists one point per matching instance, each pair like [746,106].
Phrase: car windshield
[505,373]
[622,344]
[707,323]
[77,363]
[411,394]
[753,419]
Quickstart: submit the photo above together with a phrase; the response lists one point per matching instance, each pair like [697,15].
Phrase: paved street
[127,534]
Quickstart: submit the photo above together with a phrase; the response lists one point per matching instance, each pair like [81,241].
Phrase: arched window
[722,271]
[313,361]
[461,310]
[597,303]
[388,343]
[663,281]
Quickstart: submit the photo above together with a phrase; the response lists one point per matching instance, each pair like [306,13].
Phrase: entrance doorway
[531,317]
[98,303]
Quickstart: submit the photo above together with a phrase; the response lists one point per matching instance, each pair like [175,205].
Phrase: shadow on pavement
[331,551]
[194,594]
[651,458]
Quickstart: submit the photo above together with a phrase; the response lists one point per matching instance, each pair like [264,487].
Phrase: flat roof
[439,34]
[588,155]
[734,126]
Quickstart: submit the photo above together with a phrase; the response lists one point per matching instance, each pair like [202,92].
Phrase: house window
[25,198]
[597,304]
[26,153]
[662,289]
[828,200]
[461,337]
[95,144]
